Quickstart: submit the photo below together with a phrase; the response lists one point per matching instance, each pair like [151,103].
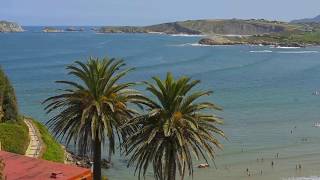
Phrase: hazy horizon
[146,12]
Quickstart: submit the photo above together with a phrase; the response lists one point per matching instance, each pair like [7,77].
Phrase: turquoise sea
[266,93]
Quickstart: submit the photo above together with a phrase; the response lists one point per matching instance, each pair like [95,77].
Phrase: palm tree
[176,128]
[93,107]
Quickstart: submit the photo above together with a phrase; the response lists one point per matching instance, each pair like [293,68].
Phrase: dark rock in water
[83,161]
[73,29]
[220,40]
[291,45]
[6,26]
[105,164]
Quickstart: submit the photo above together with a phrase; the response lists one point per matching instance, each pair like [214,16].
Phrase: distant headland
[206,27]
[234,31]
[6,26]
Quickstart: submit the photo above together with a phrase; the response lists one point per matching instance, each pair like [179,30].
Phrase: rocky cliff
[6,26]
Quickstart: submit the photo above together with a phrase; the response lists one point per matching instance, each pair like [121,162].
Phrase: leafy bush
[8,100]
[14,137]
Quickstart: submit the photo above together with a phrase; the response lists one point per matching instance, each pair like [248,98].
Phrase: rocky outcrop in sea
[82,161]
[6,26]
[251,41]
[51,30]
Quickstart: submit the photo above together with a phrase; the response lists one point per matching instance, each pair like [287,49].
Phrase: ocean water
[266,93]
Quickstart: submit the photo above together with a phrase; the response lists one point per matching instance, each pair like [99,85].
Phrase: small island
[6,26]
[51,30]
[74,29]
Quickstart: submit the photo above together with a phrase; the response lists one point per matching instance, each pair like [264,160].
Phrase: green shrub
[8,100]
[53,150]
[14,137]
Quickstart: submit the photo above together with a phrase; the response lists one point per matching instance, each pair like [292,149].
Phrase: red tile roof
[26,168]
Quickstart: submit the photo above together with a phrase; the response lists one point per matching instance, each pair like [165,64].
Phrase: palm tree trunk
[97,159]
[183,171]
[172,169]
[111,148]
[109,155]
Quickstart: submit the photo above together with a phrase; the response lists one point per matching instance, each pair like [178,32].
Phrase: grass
[53,150]
[14,137]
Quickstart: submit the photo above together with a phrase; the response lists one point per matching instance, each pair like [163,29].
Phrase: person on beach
[272,163]
[248,172]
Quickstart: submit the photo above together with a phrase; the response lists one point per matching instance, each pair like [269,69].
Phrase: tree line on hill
[8,100]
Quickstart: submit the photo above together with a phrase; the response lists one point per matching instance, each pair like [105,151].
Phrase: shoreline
[81,161]
[223,40]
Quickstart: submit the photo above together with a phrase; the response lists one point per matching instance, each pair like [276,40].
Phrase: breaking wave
[303,178]
[198,45]
[262,51]
[187,35]
[297,52]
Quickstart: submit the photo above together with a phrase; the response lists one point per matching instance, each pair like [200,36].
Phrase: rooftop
[26,168]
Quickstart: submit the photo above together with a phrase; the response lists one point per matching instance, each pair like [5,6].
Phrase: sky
[147,12]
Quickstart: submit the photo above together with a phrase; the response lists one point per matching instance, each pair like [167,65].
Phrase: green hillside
[8,100]
[13,132]
[14,137]
[210,27]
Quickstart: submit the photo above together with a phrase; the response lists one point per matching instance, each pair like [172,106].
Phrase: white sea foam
[154,32]
[302,178]
[190,44]
[262,51]
[200,45]
[298,52]
[188,35]
[283,47]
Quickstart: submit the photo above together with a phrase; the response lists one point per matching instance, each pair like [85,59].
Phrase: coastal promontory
[234,31]
[6,26]
[207,27]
